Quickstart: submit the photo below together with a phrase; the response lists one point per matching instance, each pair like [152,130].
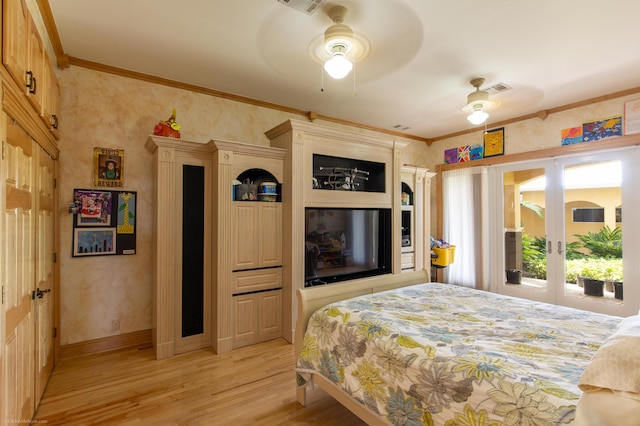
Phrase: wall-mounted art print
[602,129]
[451,156]
[126,213]
[93,207]
[475,152]
[632,117]
[108,167]
[94,241]
[494,142]
[463,154]
[104,222]
[571,135]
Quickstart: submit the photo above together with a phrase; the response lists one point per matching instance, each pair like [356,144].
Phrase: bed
[400,350]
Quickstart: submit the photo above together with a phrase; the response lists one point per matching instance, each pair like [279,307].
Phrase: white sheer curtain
[465,223]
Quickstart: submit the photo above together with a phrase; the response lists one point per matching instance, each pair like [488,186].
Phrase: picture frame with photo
[108,167]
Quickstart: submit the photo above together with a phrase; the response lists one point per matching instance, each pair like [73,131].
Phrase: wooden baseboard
[140,338]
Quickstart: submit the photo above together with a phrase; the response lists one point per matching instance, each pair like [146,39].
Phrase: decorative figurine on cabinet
[168,128]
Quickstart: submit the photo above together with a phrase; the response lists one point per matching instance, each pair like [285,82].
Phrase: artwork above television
[347,174]
[346,243]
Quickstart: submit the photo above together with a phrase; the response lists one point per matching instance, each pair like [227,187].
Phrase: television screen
[346,243]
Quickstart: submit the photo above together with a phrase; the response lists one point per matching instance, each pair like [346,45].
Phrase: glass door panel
[592,218]
[559,221]
[525,230]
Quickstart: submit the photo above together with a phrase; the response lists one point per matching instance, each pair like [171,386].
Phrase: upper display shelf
[347,174]
[256,185]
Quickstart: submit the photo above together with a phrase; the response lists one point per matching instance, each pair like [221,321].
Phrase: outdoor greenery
[595,255]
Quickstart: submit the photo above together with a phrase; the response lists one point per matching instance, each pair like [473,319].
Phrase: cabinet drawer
[407,260]
[257,279]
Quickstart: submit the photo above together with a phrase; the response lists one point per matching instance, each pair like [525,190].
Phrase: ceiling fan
[477,102]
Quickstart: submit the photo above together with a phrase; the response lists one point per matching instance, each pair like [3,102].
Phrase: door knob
[39,293]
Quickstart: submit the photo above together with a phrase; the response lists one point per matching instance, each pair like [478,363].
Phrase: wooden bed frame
[313,298]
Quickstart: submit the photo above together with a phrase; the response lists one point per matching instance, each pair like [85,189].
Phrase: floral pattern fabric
[439,354]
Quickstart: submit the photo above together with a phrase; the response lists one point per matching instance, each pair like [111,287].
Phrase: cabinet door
[51,114]
[270,234]
[257,317]
[245,317]
[245,231]
[270,314]
[15,17]
[35,68]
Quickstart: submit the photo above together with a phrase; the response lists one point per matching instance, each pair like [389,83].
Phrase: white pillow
[616,364]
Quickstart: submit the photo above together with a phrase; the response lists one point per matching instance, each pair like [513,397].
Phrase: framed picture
[494,142]
[94,241]
[108,167]
[104,223]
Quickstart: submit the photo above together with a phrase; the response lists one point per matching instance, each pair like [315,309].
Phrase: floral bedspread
[448,355]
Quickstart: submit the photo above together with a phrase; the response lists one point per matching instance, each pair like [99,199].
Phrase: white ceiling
[423,53]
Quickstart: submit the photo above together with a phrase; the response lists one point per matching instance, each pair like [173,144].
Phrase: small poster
[451,156]
[475,152]
[463,154]
[94,208]
[108,167]
[571,135]
[602,129]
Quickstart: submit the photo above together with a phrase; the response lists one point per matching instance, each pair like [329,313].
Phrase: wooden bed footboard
[313,298]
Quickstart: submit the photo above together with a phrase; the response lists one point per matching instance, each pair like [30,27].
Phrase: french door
[559,221]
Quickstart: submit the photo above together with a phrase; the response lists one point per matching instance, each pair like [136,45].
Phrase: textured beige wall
[107,111]
[535,133]
[103,110]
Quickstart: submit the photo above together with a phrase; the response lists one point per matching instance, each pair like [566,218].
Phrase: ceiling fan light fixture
[477,102]
[478,116]
[339,47]
[338,66]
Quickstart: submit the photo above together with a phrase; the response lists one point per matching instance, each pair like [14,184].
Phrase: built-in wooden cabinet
[25,58]
[29,312]
[415,211]
[310,146]
[15,39]
[249,246]
[182,303]
[238,244]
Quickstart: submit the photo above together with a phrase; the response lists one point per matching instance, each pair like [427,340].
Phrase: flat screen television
[346,243]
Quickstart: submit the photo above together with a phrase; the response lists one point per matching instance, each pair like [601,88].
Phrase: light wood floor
[254,385]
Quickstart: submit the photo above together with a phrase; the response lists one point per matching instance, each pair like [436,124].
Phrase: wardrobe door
[18,275]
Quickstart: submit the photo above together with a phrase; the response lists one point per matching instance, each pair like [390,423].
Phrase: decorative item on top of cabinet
[168,128]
